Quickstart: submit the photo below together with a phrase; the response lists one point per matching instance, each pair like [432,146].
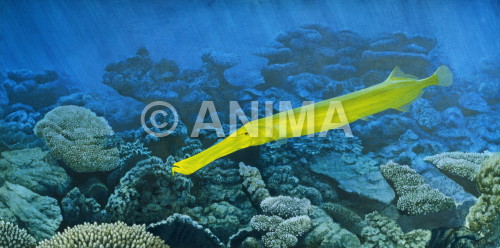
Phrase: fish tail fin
[444,76]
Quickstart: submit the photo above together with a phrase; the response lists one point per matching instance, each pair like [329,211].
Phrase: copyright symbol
[160,114]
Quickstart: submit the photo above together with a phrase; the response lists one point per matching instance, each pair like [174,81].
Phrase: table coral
[414,195]
[462,164]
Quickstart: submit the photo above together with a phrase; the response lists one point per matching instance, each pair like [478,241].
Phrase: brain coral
[78,137]
[104,236]
[11,236]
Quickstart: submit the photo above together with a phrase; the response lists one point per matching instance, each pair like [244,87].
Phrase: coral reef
[414,195]
[222,218]
[36,89]
[24,167]
[62,164]
[287,218]
[39,215]
[458,237]
[104,235]
[181,231]
[281,180]
[11,236]
[382,231]
[16,127]
[355,173]
[77,209]
[484,216]
[347,218]
[148,193]
[327,234]
[253,183]
[108,104]
[78,137]
[285,206]
[466,165]
[460,167]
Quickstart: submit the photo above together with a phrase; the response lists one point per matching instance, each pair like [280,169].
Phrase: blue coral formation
[72,156]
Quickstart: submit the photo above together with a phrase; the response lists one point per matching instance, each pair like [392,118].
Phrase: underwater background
[78,169]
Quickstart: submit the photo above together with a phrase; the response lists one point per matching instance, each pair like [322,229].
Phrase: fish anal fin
[398,73]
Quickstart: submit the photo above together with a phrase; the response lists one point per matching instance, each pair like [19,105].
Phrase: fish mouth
[221,149]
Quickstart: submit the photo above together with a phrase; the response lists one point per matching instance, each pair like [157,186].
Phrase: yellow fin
[445,76]
[398,73]
[407,107]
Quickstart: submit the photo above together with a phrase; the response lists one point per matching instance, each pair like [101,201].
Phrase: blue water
[81,37]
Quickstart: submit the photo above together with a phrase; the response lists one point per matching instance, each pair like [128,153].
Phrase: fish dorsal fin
[406,107]
[398,73]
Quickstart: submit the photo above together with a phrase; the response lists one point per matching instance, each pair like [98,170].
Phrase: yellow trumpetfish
[398,91]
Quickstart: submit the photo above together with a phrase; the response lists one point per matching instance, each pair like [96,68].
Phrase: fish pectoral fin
[398,73]
[407,107]
[365,118]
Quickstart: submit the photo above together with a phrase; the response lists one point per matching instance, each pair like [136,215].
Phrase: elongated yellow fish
[398,91]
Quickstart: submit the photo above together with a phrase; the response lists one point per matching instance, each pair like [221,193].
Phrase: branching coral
[285,206]
[484,216]
[11,236]
[78,137]
[104,235]
[288,218]
[466,165]
[279,232]
[415,196]
[384,232]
